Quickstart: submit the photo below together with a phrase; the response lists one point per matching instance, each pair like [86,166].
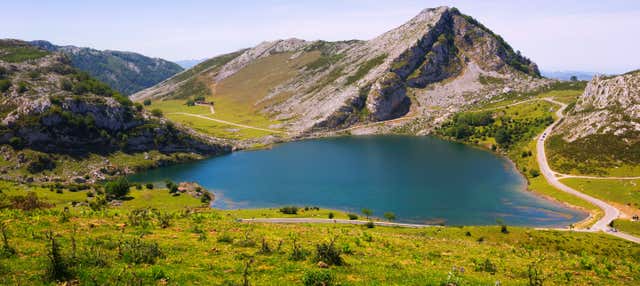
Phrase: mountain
[49,109]
[566,75]
[603,127]
[438,62]
[125,72]
[186,64]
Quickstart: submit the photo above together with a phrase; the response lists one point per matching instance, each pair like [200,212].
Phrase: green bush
[147,102]
[137,251]
[5,84]
[289,210]
[16,142]
[318,278]
[117,189]
[156,112]
[352,216]
[329,254]
[22,87]
[41,163]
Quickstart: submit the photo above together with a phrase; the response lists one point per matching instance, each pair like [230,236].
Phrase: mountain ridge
[437,62]
[127,72]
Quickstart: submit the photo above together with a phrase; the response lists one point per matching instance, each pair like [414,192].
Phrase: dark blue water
[420,179]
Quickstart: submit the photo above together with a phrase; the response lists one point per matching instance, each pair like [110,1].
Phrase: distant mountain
[439,61]
[186,64]
[125,72]
[48,106]
[566,75]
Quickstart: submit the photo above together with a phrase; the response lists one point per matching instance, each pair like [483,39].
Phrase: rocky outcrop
[388,98]
[49,106]
[609,105]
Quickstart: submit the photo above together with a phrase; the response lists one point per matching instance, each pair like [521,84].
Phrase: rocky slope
[125,72]
[48,106]
[435,64]
[609,105]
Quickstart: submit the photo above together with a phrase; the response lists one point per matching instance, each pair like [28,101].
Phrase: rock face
[47,105]
[609,105]
[125,72]
[429,67]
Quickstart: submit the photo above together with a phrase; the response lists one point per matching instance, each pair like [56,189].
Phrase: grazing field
[173,244]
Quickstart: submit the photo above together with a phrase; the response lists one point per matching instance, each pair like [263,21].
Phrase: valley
[434,153]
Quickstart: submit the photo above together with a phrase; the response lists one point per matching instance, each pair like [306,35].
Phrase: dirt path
[213,111]
[334,221]
[610,212]
[227,122]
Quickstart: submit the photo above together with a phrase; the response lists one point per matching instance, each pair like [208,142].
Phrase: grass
[16,53]
[630,227]
[239,98]
[623,193]
[206,246]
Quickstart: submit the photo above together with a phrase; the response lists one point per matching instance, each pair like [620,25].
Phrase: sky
[597,36]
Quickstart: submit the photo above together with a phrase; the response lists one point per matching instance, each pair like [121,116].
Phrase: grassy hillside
[173,245]
[236,99]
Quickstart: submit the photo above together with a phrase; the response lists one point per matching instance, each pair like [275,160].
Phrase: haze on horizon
[558,35]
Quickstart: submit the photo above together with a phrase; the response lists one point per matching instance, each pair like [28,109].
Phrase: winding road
[610,212]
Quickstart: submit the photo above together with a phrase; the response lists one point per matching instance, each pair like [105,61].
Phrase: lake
[420,179]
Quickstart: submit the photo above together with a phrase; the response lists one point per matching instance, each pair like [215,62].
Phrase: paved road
[610,212]
[227,122]
[332,221]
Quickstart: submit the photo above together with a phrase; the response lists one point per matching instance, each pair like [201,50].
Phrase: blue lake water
[420,179]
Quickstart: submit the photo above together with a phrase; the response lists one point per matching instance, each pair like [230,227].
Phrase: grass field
[622,192]
[209,247]
[240,98]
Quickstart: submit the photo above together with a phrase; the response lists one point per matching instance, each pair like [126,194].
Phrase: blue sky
[601,36]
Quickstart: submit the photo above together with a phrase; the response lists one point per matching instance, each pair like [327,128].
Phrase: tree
[390,216]
[117,189]
[147,102]
[367,212]
[502,136]
[574,78]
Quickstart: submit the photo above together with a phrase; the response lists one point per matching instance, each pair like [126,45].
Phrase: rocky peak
[609,105]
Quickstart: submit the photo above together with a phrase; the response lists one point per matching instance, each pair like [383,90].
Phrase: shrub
[5,84]
[297,252]
[147,102]
[138,106]
[370,224]
[22,87]
[137,251]
[164,219]
[156,112]
[7,250]
[487,266]
[390,216]
[149,186]
[139,217]
[117,189]
[534,173]
[367,212]
[352,216]
[331,215]
[328,253]
[28,202]
[57,266]
[225,238]
[318,278]
[16,142]
[41,163]
[289,210]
